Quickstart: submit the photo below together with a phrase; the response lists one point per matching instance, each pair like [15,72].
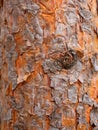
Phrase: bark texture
[48,64]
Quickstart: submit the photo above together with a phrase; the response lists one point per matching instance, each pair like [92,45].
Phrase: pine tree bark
[48,65]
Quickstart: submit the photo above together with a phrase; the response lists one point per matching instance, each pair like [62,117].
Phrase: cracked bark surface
[48,65]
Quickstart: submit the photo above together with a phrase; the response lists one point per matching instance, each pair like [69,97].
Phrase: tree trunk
[49,65]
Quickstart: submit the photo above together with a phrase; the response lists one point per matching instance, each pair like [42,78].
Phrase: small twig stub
[68,59]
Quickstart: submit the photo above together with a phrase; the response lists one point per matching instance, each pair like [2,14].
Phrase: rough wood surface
[48,64]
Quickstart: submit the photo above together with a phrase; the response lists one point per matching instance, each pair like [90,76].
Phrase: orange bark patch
[19,41]
[87,113]
[81,127]
[67,121]
[93,90]
[95,44]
